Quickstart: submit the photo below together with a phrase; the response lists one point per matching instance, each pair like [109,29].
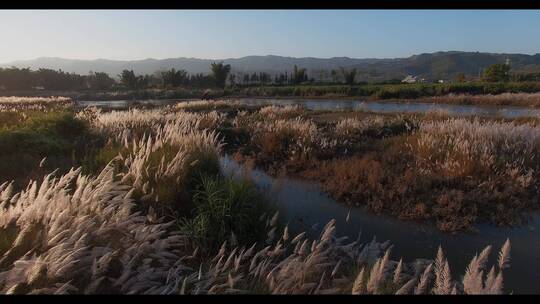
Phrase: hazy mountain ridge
[439,65]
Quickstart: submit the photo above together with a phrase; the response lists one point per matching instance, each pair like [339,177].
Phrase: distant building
[440,81]
[410,79]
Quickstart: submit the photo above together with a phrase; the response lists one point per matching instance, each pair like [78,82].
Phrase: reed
[93,234]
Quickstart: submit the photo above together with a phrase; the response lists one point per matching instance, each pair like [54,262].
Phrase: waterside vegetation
[147,210]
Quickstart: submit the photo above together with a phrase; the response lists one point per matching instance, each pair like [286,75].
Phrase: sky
[214,34]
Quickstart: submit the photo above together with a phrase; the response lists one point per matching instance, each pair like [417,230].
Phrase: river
[352,105]
[303,205]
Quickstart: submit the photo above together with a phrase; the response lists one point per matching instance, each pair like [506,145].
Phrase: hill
[439,65]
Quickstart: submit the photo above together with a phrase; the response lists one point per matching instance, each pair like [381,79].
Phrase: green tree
[282,78]
[254,78]
[99,81]
[349,76]
[219,73]
[334,76]
[174,78]
[497,73]
[145,81]
[264,77]
[128,79]
[232,79]
[17,79]
[201,81]
[131,81]
[299,75]
[58,80]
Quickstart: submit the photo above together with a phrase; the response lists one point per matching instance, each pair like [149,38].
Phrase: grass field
[143,208]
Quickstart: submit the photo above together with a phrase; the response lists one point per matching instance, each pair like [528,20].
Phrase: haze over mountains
[439,65]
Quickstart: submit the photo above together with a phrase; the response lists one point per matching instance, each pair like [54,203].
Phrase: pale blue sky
[139,34]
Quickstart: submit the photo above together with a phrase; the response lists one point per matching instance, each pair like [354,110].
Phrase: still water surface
[303,205]
[351,105]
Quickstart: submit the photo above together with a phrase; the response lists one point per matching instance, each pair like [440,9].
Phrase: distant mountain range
[439,65]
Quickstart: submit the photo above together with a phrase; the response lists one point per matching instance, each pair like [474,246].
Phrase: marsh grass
[32,136]
[100,233]
[455,172]
[207,105]
[225,210]
[508,93]
[503,99]
[15,104]
[99,156]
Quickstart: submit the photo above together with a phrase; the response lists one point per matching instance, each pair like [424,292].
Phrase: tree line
[220,75]
[47,79]
[295,77]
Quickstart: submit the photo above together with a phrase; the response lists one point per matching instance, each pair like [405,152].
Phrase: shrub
[225,210]
[393,91]
[59,136]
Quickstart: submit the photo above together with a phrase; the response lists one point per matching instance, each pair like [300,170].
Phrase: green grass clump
[223,207]
[41,133]
[391,91]
[98,157]
[27,139]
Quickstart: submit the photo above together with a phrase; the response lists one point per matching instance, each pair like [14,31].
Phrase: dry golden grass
[77,233]
[16,104]
[456,171]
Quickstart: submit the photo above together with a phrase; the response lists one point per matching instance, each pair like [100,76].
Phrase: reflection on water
[405,107]
[350,105]
[303,205]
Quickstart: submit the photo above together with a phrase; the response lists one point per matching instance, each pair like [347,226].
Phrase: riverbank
[142,94]
[305,206]
[151,210]
[455,171]
[531,100]
[508,93]
[148,194]
[392,91]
